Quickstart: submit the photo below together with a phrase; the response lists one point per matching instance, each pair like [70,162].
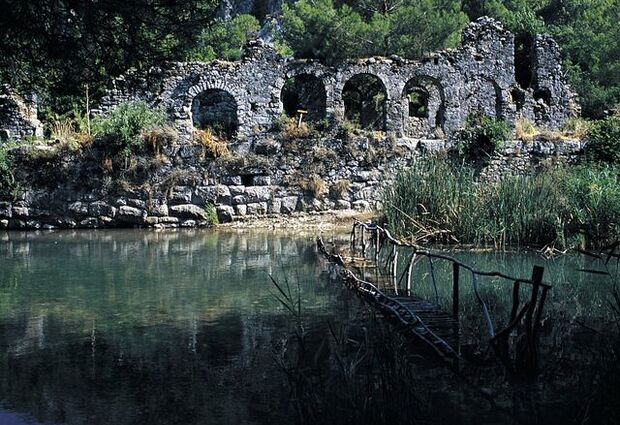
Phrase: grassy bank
[438,202]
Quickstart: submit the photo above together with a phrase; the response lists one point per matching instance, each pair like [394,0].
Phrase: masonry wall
[478,76]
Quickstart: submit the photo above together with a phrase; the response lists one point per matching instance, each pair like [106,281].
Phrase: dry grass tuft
[315,185]
[340,188]
[214,145]
[525,130]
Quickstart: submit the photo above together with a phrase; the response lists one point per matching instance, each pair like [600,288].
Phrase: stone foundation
[300,176]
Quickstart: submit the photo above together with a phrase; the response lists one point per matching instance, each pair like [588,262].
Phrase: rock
[188,211]
[79,208]
[236,190]
[180,195]
[241,199]
[225,213]
[341,204]
[159,210]
[151,221]
[188,223]
[169,220]
[137,203]
[90,223]
[258,194]
[258,208]
[204,195]
[131,215]
[21,212]
[361,205]
[241,210]
[289,204]
[6,210]
[262,180]
[100,208]
[223,195]
[231,180]
[4,224]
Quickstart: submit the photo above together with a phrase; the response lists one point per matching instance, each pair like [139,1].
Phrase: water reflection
[144,327]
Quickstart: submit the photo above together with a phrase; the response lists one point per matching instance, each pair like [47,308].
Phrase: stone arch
[365,98]
[216,109]
[304,91]
[423,101]
[232,95]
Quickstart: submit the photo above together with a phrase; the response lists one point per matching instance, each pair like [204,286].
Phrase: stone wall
[478,76]
[292,177]
[18,117]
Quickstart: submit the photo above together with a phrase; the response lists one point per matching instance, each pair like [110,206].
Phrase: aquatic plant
[439,202]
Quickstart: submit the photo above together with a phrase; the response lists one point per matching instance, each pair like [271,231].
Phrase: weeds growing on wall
[482,136]
[121,130]
[435,201]
[7,178]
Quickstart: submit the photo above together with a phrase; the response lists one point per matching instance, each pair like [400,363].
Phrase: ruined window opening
[518,97]
[216,109]
[304,92]
[543,95]
[524,60]
[364,97]
[418,98]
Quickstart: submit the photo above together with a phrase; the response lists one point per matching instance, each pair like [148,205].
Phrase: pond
[145,327]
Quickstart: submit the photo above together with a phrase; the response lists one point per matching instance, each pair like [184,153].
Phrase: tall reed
[435,201]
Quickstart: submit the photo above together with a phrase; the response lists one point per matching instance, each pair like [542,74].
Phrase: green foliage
[212,217]
[482,136]
[225,39]
[7,178]
[604,141]
[333,32]
[437,202]
[122,128]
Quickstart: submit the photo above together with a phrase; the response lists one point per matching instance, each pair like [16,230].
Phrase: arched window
[364,97]
[216,109]
[304,92]
[418,98]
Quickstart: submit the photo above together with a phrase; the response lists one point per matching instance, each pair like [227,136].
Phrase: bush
[214,146]
[122,129]
[482,136]
[604,141]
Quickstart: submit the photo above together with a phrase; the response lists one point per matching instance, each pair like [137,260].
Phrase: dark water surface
[182,327]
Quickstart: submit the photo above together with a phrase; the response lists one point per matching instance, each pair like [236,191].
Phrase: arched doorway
[364,98]
[304,92]
[216,110]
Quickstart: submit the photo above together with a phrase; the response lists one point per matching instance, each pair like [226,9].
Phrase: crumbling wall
[18,117]
[478,76]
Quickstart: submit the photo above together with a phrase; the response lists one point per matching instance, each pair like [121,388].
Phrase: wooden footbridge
[373,248]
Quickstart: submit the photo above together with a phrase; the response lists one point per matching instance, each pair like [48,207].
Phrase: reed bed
[439,202]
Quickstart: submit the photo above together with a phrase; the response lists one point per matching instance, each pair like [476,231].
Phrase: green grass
[438,202]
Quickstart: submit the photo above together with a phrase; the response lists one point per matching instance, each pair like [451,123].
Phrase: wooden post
[409,272]
[395,270]
[363,243]
[455,290]
[377,246]
[301,113]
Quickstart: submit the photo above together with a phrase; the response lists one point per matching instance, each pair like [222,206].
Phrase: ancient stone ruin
[424,99]
[18,116]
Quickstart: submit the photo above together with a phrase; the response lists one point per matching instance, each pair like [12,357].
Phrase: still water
[180,327]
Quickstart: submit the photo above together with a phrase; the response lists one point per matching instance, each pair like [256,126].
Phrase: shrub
[482,136]
[604,141]
[121,129]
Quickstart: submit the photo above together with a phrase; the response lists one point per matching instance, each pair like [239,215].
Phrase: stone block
[131,215]
[262,180]
[257,208]
[188,211]
[289,204]
[100,208]
[78,208]
[225,213]
[241,210]
[6,210]
[258,194]
[180,195]
[204,195]
[232,180]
